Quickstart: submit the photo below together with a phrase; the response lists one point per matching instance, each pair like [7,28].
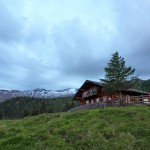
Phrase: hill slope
[107,128]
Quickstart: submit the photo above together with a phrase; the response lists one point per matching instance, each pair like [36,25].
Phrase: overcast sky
[57,44]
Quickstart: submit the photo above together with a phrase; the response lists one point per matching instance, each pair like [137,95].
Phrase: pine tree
[66,107]
[34,112]
[43,108]
[1,115]
[117,75]
[25,113]
[50,108]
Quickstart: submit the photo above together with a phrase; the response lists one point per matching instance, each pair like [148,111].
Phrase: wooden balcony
[91,92]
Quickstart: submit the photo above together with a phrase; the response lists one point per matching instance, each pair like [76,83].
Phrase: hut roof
[87,84]
[93,82]
[135,92]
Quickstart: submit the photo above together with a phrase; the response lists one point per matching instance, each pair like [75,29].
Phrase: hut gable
[89,90]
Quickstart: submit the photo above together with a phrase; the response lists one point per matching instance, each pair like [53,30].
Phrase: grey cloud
[141,58]
[19,70]
[76,52]
[132,40]
[10,26]
[62,52]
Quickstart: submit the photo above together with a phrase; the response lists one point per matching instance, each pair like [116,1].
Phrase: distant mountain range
[143,85]
[38,93]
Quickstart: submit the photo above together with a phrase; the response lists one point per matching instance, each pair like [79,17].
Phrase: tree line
[143,85]
[24,106]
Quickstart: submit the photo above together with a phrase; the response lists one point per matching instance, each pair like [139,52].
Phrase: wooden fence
[142,99]
[115,102]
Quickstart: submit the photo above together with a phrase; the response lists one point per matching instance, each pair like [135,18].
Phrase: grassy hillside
[106,128]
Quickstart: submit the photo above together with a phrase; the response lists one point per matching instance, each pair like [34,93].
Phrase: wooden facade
[134,96]
[91,92]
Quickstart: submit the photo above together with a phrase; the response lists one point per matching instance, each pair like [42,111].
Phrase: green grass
[106,128]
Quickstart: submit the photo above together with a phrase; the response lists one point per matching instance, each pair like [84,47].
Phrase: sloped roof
[136,91]
[86,82]
[93,82]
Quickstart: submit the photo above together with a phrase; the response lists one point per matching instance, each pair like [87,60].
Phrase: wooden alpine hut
[89,92]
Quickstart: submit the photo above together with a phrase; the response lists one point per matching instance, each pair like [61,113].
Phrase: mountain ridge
[37,93]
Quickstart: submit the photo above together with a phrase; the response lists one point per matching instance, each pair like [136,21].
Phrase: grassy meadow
[126,128]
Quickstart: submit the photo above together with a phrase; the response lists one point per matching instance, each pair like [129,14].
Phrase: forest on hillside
[143,85]
[24,106]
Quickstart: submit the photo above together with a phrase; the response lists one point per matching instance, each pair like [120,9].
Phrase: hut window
[92,101]
[87,102]
[97,100]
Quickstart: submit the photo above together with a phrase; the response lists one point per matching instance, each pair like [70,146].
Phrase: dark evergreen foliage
[117,75]
[24,106]
[146,86]
[68,106]
[143,85]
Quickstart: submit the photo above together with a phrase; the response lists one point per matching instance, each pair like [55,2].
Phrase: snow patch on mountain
[38,93]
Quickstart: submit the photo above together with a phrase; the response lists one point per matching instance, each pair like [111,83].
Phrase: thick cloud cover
[60,43]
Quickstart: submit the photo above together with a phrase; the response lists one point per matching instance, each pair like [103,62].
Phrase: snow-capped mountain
[38,93]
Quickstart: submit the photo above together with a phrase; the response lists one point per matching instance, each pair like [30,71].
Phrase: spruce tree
[117,75]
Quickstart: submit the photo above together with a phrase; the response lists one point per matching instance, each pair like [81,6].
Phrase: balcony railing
[92,91]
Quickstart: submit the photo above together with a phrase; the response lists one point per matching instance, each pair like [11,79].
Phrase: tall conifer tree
[117,75]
